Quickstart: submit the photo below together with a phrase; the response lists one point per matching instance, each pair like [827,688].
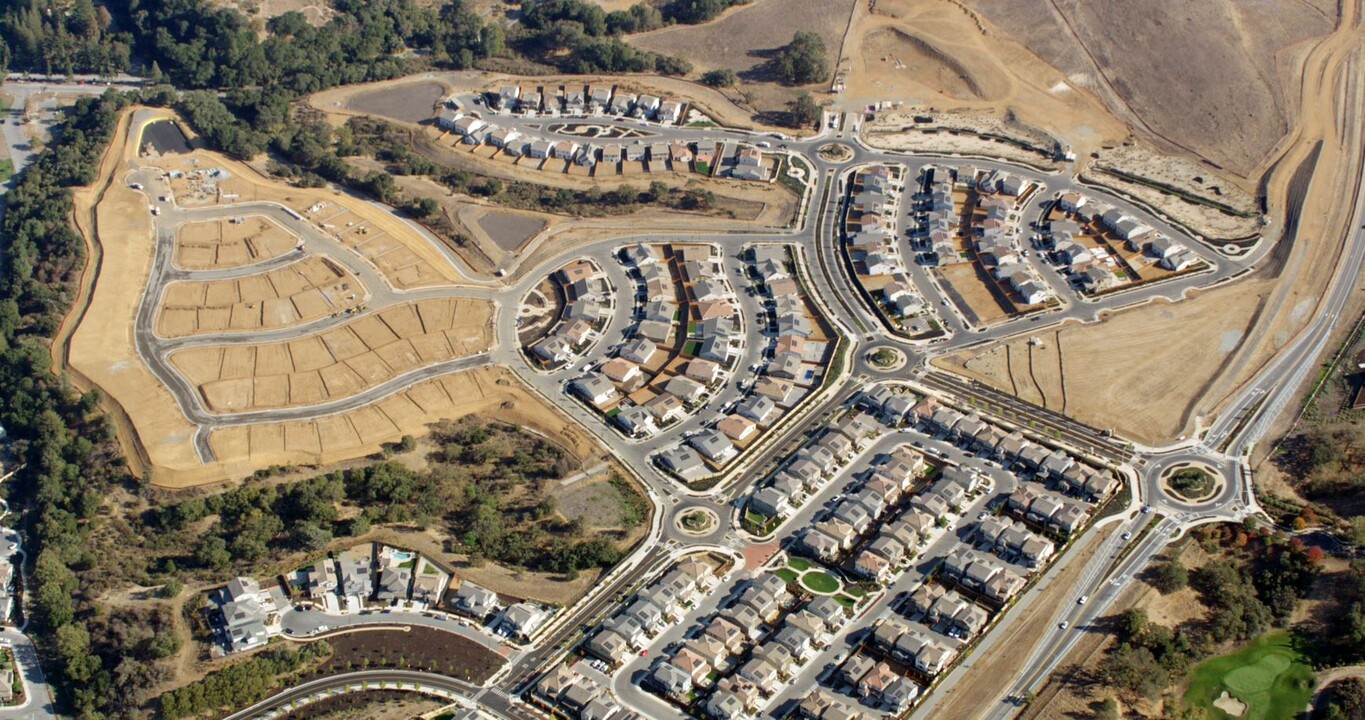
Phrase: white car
[1081,600]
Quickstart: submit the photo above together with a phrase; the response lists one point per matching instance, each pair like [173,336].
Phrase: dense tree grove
[692,12]
[477,486]
[1254,587]
[97,663]
[61,37]
[1346,700]
[242,684]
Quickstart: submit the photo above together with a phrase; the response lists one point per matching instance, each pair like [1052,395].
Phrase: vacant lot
[307,290]
[357,433]
[1110,371]
[1207,76]
[414,648]
[968,284]
[410,102]
[222,244]
[338,363]
[509,230]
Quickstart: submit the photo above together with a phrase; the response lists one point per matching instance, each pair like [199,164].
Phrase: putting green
[1270,675]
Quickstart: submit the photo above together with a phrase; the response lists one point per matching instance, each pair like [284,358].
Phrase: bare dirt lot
[411,102]
[1112,370]
[412,648]
[405,258]
[223,244]
[338,363]
[301,292]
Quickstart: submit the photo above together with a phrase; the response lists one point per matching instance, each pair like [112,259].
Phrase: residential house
[522,620]
[594,388]
[671,680]
[639,351]
[683,461]
[477,602]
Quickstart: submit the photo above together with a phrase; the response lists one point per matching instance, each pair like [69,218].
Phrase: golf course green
[1270,675]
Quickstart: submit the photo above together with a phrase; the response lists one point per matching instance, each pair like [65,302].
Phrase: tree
[804,111]
[803,61]
[1109,709]
[723,77]
[1347,699]
[1170,577]
[1135,670]
[171,588]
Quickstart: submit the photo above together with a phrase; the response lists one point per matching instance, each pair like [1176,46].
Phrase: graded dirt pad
[345,436]
[152,429]
[412,648]
[101,353]
[223,244]
[509,230]
[340,362]
[409,102]
[1112,371]
[301,292]
[968,283]
[407,258]
[1218,78]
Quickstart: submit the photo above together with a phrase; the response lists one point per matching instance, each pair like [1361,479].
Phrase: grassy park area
[1270,675]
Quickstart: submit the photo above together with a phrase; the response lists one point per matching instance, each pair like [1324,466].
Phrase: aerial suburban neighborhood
[669,359]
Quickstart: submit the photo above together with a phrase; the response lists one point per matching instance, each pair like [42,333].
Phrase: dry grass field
[310,289]
[357,433]
[1112,371]
[743,39]
[1218,79]
[938,55]
[969,283]
[365,352]
[223,244]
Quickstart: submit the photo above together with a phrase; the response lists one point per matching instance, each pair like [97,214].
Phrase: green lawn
[787,574]
[6,169]
[820,582]
[1270,675]
[798,564]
